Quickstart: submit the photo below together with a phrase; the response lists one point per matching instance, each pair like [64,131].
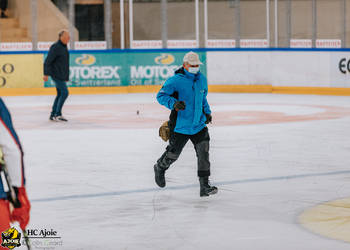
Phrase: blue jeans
[62,94]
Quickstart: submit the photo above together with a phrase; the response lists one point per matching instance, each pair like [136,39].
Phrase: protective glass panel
[222,19]
[330,23]
[301,20]
[147,20]
[253,19]
[181,20]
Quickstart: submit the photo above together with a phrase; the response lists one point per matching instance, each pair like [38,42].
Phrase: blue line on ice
[148,190]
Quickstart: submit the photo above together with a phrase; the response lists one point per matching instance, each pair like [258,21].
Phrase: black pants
[3,5]
[178,141]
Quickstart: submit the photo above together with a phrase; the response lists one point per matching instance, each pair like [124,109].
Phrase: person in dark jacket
[57,66]
[185,94]
[3,7]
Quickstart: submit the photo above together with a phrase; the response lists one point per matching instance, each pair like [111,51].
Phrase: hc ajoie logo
[11,238]
[5,70]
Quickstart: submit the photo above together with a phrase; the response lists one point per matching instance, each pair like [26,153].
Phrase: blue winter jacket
[193,90]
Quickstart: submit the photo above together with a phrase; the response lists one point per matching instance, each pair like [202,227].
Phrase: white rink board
[279,68]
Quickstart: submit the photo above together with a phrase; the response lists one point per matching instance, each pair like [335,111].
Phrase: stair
[15,40]
[11,32]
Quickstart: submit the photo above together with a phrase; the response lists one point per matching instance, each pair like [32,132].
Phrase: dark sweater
[57,62]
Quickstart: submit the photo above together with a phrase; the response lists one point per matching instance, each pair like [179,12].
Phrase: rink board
[288,68]
[156,88]
[21,71]
[283,71]
[120,69]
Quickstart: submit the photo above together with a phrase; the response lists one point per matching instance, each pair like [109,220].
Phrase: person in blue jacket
[185,94]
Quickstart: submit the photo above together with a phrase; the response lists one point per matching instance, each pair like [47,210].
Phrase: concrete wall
[50,19]
[181,20]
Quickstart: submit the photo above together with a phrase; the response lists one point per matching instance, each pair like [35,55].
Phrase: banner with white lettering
[124,69]
[149,68]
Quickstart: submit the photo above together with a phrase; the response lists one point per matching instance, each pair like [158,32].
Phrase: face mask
[193,70]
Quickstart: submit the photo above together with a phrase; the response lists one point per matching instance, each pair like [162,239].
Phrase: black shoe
[3,15]
[206,189]
[159,176]
[52,118]
[61,118]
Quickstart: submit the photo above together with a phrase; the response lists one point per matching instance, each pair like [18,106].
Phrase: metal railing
[235,23]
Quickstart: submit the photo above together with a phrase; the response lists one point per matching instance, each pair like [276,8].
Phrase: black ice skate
[206,189]
[61,119]
[3,15]
[159,175]
[52,118]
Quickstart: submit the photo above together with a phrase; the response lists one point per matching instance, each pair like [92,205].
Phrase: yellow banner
[21,71]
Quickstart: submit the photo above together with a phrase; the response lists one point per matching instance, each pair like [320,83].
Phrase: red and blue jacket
[12,151]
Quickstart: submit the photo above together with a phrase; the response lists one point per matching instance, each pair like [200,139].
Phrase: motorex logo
[163,69]
[164,59]
[88,68]
[85,60]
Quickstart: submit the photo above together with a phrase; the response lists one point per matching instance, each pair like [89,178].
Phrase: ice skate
[61,119]
[159,175]
[52,118]
[205,188]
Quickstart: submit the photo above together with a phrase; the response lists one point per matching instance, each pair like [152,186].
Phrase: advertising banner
[221,43]
[21,71]
[301,43]
[340,69]
[16,46]
[90,45]
[154,68]
[93,70]
[124,69]
[157,44]
[275,68]
[328,43]
[254,43]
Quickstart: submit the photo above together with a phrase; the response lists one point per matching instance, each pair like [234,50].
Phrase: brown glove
[164,131]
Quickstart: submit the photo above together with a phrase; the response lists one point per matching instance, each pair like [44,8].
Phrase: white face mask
[193,70]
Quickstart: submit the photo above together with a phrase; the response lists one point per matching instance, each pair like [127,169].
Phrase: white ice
[92,179]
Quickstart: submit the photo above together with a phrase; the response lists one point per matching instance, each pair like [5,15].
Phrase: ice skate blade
[209,193]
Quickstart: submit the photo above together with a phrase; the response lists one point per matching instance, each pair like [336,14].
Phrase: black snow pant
[178,141]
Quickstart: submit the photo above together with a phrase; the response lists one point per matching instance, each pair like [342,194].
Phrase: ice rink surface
[273,157]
